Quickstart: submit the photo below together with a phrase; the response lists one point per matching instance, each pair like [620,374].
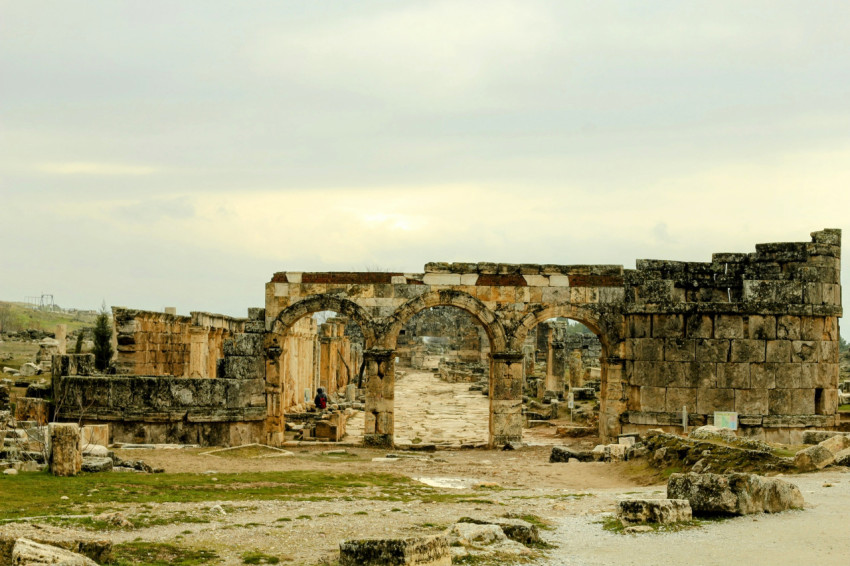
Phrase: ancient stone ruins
[751,333]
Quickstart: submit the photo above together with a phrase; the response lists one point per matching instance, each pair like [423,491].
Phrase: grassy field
[18,316]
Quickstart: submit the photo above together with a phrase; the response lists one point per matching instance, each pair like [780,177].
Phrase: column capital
[507,357]
[378,354]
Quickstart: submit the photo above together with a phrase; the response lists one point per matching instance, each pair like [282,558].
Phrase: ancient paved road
[433,411]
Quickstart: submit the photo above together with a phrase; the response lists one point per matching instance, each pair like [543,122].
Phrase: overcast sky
[178,153]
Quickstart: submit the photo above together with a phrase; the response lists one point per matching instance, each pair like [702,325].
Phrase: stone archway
[609,331]
[379,425]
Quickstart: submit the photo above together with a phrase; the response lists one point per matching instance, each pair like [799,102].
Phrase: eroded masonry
[752,333]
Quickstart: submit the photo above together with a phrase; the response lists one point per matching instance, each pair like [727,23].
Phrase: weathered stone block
[818,436]
[653,399]
[791,401]
[763,376]
[702,375]
[244,367]
[417,551]
[734,376]
[66,455]
[788,327]
[699,326]
[804,351]
[778,351]
[734,494]
[729,326]
[710,400]
[836,444]
[648,349]
[668,326]
[712,350]
[566,453]
[679,350]
[751,401]
[640,326]
[637,511]
[27,552]
[813,458]
[646,373]
[244,344]
[761,327]
[678,397]
[747,351]
[789,376]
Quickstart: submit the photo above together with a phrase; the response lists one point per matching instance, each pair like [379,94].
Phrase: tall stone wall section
[155,343]
[752,333]
[299,364]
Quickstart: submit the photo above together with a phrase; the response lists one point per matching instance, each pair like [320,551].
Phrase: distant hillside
[20,316]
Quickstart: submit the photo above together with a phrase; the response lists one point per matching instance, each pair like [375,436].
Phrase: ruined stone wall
[155,343]
[157,409]
[755,333]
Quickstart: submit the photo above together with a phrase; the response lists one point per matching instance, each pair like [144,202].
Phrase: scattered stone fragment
[637,511]
[417,551]
[813,458]
[734,494]
[565,453]
[66,457]
[515,529]
[29,553]
[94,464]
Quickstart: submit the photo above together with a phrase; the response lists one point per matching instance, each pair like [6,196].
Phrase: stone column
[555,367]
[612,398]
[66,453]
[198,352]
[61,334]
[576,369]
[380,397]
[506,377]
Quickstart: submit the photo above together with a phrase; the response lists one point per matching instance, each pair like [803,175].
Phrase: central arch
[611,391]
[447,298]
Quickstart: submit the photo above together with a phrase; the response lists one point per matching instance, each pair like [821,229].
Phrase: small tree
[78,347]
[102,335]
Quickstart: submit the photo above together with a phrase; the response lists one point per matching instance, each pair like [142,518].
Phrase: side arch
[447,297]
[577,313]
[317,303]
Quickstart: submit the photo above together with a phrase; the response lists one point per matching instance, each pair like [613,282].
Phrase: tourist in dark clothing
[321,399]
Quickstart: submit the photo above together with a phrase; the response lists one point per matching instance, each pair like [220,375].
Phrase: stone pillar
[555,367]
[198,352]
[612,398]
[576,369]
[506,377]
[170,310]
[66,453]
[61,334]
[380,397]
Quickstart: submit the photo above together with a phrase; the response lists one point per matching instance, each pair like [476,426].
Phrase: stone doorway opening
[442,379]
[320,349]
[563,365]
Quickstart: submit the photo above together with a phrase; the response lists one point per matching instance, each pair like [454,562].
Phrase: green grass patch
[614,525]
[844,408]
[141,553]
[259,558]
[36,494]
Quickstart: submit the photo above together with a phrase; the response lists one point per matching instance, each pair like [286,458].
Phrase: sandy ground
[574,498]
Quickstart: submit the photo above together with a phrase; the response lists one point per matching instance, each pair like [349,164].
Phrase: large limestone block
[417,551]
[836,444]
[843,458]
[813,458]
[29,553]
[818,436]
[734,494]
[66,455]
[636,511]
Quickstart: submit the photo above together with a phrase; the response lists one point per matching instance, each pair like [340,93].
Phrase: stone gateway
[752,333]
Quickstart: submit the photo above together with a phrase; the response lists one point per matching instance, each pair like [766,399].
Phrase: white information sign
[724,419]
